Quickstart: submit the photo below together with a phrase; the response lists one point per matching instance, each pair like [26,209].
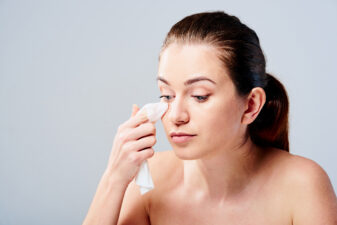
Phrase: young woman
[227,123]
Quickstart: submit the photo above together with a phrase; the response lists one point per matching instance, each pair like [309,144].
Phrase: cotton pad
[154,112]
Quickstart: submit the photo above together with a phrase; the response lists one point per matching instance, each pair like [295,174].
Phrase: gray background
[71,70]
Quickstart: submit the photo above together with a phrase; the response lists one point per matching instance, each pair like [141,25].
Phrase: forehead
[179,62]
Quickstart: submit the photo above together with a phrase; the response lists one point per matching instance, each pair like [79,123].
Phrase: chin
[187,154]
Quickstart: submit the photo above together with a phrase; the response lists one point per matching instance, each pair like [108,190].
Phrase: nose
[177,112]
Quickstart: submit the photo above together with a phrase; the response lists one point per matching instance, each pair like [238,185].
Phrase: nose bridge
[178,111]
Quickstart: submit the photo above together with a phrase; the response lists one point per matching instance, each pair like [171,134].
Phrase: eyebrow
[188,82]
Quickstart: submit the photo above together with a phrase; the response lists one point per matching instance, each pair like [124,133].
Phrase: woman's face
[202,101]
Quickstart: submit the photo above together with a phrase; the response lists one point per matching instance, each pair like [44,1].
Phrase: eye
[168,97]
[201,98]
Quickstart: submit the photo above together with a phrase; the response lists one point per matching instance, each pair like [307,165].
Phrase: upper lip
[180,134]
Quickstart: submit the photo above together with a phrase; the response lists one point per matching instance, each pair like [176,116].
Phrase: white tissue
[154,112]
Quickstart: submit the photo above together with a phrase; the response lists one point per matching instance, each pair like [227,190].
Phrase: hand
[131,147]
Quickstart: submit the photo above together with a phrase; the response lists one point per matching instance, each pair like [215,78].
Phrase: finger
[135,109]
[142,130]
[136,120]
[140,156]
[146,153]
[146,142]
[143,143]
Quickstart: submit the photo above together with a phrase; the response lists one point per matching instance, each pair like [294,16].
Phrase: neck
[224,173]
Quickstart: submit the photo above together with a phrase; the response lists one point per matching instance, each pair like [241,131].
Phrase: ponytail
[270,128]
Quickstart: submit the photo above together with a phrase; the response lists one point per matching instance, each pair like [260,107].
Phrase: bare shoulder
[297,168]
[302,171]
[308,189]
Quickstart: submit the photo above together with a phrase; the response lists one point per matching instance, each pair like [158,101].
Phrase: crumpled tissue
[154,112]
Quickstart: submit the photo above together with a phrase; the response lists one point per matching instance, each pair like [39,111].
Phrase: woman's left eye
[201,98]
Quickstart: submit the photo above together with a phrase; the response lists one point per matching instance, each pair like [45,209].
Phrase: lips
[180,137]
[180,134]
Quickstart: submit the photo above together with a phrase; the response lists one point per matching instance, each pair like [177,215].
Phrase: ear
[253,105]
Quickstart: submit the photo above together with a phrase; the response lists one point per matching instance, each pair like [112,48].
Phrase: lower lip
[182,139]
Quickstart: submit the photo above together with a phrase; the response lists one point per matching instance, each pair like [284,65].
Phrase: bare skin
[220,176]
[274,195]
[256,203]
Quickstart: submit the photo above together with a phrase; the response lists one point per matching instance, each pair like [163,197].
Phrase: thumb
[135,109]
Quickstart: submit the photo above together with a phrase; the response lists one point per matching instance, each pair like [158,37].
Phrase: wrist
[114,180]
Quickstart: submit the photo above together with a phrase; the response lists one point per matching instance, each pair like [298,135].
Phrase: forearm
[106,204]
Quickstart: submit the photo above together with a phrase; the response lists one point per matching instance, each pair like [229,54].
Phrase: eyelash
[203,97]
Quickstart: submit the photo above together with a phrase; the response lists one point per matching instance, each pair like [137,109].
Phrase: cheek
[224,121]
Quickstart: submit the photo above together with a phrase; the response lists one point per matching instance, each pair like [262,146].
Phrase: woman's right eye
[167,97]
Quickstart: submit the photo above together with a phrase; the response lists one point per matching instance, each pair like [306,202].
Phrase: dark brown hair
[238,47]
